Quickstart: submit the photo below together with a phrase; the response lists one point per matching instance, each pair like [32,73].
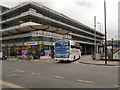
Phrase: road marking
[79,63]
[12,85]
[35,73]
[17,71]
[116,85]
[84,81]
[12,75]
[59,77]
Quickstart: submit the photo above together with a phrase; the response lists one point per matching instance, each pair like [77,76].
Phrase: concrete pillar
[97,49]
[8,52]
[85,50]
[91,49]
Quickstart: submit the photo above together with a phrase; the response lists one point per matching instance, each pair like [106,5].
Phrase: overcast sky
[82,11]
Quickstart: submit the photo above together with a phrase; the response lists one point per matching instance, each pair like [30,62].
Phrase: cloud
[84,3]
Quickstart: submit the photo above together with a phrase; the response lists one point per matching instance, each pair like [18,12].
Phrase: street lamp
[105,32]
[94,38]
[100,25]
[112,48]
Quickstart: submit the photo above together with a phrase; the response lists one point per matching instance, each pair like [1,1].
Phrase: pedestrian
[52,54]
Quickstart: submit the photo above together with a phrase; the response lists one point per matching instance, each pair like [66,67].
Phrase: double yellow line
[10,85]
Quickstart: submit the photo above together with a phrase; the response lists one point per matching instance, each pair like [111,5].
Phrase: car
[3,56]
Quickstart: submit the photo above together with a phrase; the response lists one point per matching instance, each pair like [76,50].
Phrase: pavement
[85,59]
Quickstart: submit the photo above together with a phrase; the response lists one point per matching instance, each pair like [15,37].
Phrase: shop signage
[47,43]
[30,43]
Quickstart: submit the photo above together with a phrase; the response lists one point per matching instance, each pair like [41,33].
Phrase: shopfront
[34,48]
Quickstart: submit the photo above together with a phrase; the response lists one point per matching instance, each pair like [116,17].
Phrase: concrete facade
[31,23]
[2,8]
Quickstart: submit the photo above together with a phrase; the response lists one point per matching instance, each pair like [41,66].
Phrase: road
[51,74]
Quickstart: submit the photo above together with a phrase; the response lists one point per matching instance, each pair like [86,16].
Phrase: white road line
[116,86]
[35,73]
[59,77]
[12,75]
[16,71]
[84,81]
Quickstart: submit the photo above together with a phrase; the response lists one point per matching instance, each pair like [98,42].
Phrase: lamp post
[105,32]
[94,38]
[100,25]
[116,42]
[112,48]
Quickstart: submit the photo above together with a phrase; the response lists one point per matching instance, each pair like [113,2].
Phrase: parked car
[3,56]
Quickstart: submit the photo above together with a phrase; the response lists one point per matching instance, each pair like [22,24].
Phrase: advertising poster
[46,54]
[24,52]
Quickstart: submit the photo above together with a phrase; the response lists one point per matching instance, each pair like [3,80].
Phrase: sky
[83,11]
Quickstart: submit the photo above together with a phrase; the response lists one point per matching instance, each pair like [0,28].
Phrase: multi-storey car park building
[31,25]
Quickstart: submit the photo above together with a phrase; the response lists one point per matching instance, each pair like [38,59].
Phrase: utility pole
[105,33]
[112,48]
[94,38]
